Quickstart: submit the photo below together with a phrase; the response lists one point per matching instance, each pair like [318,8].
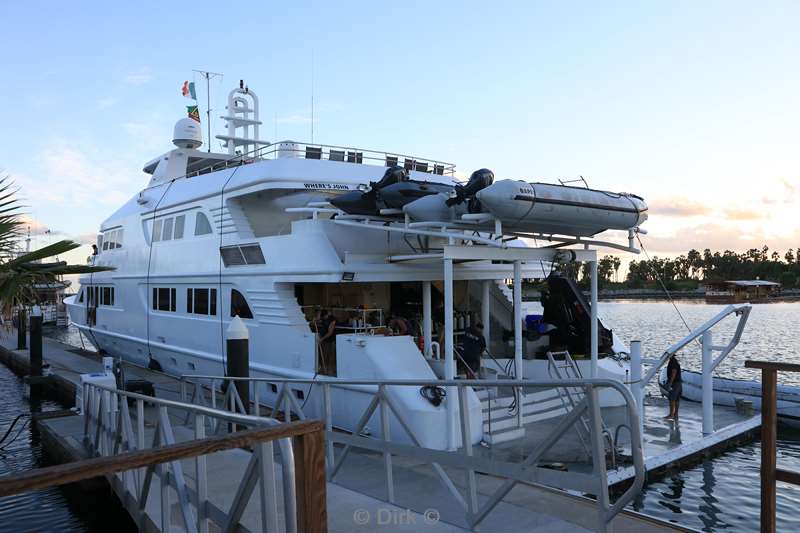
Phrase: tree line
[687,270]
[695,266]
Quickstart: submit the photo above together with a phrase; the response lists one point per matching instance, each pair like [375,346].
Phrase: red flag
[185,89]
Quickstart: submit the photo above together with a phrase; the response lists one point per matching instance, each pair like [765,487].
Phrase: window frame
[170,304]
[243,301]
[202,216]
[210,301]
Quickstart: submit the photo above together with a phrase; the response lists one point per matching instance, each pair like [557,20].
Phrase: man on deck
[474,346]
[674,387]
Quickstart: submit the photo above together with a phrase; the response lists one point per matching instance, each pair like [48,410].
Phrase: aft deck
[361,482]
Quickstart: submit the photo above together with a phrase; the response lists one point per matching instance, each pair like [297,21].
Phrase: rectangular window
[119,238]
[232,256]
[157,230]
[180,221]
[252,254]
[164,299]
[106,296]
[167,233]
[201,301]
[248,254]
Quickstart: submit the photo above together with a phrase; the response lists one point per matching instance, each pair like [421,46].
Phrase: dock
[357,499]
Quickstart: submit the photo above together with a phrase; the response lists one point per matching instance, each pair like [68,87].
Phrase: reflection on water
[723,493]
[53,509]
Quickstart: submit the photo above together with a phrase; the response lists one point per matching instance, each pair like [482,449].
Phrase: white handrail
[740,310]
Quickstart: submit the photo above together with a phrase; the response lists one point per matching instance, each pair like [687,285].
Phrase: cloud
[733,213]
[76,177]
[86,238]
[716,237]
[36,227]
[138,77]
[105,103]
[677,207]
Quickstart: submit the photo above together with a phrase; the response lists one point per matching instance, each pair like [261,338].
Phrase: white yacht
[275,232]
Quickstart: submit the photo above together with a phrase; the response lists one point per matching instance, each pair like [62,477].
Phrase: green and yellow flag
[193,113]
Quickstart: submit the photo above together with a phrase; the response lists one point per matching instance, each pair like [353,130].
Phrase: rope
[221,299]
[664,287]
[149,262]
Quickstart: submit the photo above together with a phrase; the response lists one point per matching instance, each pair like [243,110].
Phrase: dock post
[636,380]
[708,385]
[427,320]
[35,357]
[769,437]
[238,358]
[22,326]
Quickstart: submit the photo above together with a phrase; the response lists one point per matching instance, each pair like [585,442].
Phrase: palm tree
[21,272]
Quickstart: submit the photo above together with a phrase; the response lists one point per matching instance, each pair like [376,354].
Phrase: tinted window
[201,301]
[157,230]
[167,233]
[239,305]
[252,254]
[232,256]
[164,299]
[179,223]
[201,225]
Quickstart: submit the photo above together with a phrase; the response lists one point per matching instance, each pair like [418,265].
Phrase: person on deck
[474,346]
[399,325]
[326,329]
[674,387]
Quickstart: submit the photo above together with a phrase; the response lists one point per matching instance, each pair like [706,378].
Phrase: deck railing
[770,473]
[125,442]
[383,410]
[329,152]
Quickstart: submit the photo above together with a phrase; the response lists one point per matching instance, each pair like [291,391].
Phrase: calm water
[721,494]
[54,509]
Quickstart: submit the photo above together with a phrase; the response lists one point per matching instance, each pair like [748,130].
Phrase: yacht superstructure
[260,233]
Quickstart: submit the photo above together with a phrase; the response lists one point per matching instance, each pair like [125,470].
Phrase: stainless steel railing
[205,389]
[110,428]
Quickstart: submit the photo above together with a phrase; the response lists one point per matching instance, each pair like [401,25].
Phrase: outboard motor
[367,203]
[480,179]
[395,174]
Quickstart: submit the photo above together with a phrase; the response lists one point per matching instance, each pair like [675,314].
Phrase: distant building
[741,291]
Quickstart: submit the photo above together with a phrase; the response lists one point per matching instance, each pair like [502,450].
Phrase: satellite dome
[187,134]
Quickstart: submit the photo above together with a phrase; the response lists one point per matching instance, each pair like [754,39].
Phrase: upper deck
[206,162]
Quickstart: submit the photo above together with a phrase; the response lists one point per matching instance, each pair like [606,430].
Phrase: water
[54,509]
[719,494]
[723,493]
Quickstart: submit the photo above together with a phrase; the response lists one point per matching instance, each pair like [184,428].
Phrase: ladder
[560,366]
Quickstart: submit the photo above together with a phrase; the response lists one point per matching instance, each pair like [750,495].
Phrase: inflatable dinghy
[548,208]
[393,191]
[727,391]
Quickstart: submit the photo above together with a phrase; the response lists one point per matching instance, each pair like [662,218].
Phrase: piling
[36,341]
[238,357]
[21,329]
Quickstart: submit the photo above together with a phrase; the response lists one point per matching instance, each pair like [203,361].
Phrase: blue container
[533,322]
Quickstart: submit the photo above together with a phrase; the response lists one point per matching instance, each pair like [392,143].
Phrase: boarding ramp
[464,485]
[221,471]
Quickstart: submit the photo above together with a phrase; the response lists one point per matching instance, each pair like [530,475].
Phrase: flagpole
[208,75]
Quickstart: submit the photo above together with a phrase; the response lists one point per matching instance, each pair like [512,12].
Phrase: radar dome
[187,134]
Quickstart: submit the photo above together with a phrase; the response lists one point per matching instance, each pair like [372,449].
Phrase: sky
[694,106]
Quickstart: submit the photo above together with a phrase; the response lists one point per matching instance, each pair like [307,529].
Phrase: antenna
[312,96]
[208,75]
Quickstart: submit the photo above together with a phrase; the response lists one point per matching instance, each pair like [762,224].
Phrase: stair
[500,424]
